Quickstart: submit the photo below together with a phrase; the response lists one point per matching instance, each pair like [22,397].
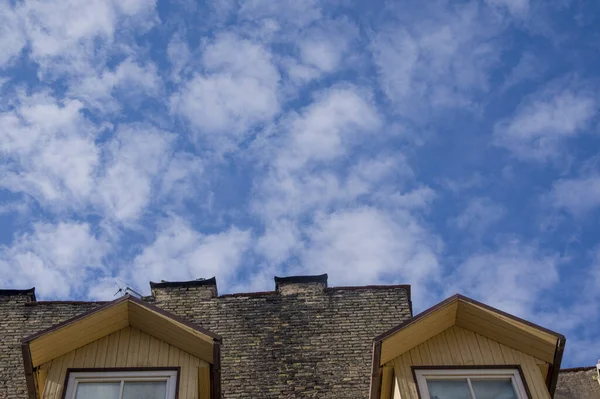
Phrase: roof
[578,383]
[470,314]
[113,316]
[314,343]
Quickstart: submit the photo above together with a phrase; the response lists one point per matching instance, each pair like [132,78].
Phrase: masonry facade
[303,340]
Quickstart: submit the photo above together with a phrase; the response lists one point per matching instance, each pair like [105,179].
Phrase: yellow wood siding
[507,331]
[457,346]
[128,347]
[421,330]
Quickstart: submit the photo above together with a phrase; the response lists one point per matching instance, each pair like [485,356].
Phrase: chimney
[301,284]
[198,289]
[24,296]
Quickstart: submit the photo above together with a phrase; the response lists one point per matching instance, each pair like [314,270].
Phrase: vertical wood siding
[128,347]
[460,347]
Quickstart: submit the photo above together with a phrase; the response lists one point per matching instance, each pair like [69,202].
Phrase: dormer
[124,349]
[464,348]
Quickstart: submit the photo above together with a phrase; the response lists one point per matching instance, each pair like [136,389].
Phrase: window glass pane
[493,389]
[448,389]
[145,390]
[98,390]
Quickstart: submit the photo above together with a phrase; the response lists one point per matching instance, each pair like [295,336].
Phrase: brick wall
[301,341]
[20,316]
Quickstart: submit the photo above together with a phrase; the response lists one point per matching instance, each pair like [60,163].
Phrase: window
[122,384]
[482,383]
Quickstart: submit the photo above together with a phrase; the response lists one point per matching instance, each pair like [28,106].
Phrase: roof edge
[38,334]
[457,297]
[124,298]
[215,337]
[577,369]
[191,283]
[510,316]
[558,355]
[416,318]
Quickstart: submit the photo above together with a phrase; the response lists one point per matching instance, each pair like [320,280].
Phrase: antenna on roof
[124,288]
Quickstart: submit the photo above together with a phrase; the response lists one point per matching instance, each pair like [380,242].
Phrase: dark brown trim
[12,292]
[416,318]
[510,316]
[321,278]
[29,376]
[215,372]
[375,390]
[467,300]
[473,367]
[117,370]
[171,316]
[115,302]
[193,283]
[73,319]
[552,378]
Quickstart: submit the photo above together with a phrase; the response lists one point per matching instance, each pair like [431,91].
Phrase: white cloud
[64,36]
[50,148]
[323,133]
[578,196]
[544,121]
[328,127]
[436,60]
[529,68]
[292,12]
[55,29]
[181,253]
[236,92]
[512,277]
[324,46]
[12,38]
[51,153]
[59,260]
[280,240]
[129,78]
[135,157]
[478,215]
[182,177]
[314,182]
[367,245]
[517,8]
[179,55]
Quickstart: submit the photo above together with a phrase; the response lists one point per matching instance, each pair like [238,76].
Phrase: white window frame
[513,373]
[167,375]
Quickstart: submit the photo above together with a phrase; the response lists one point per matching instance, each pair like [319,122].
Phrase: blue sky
[451,145]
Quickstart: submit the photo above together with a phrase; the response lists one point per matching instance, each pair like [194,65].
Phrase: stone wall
[303,340]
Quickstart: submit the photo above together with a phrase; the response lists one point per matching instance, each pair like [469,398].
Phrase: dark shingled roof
[578,383]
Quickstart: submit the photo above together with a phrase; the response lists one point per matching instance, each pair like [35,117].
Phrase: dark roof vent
[301,284]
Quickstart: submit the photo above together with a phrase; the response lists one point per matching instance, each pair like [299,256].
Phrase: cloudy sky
[451,145]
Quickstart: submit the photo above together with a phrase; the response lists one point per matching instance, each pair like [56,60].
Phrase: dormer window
[479,383]
[122,384]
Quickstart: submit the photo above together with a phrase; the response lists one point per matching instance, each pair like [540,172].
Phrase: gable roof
[472,315]
[113,316]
